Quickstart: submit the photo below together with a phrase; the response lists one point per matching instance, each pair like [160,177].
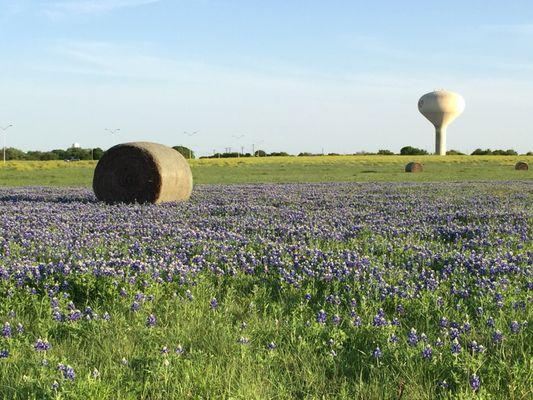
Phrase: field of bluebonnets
[412,291]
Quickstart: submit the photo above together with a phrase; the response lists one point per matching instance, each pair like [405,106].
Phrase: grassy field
[294,291]
[289,169]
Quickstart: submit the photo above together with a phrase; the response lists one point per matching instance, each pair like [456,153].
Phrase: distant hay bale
[414,167]
[521,166]
[142,172]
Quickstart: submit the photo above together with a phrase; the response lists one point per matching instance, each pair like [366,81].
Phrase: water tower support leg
[440,141]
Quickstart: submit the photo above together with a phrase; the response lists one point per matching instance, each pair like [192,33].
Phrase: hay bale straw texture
[521,166]
[414,167]
[142,172]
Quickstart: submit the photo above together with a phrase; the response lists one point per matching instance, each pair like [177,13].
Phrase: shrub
[412,151]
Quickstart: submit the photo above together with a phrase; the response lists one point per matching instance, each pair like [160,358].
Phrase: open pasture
[340,290]
[290,169]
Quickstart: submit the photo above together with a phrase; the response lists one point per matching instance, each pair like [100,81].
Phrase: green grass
[291,169]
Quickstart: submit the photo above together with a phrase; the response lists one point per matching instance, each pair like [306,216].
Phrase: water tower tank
[441,107]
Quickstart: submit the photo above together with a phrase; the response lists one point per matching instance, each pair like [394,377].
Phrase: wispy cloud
[63,8]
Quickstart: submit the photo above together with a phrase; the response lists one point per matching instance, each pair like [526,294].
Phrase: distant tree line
[489,152]
[76,153]
[73,153]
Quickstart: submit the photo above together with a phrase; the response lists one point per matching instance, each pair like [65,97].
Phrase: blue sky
[283,75]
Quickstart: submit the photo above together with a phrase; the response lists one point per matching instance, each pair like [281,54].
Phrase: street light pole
[4,129]
[190,134]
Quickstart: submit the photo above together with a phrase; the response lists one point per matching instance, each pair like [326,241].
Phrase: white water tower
[441,107]
[75,145]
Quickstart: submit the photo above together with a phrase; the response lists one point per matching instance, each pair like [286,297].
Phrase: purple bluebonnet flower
[475,382]
[497,336]
[514,326]
[42,345]
[412,337]
[20,328]
[6,330]
[393,338]
[95,374]
[67,370]
[189,295]
[75,315]
[243,325]
[135,306]
[454,333]
[164,350]
[490,322]
[4,353]
[151,321]
[321,317]
[179,350]
[271,346]
[377,352]
[12,314]
[439,342]
[336,319]
[456,347]
[106,316]
[444,385]
[55,385]
[379,320]
[213,303]
[357,321]
[427,352]
[307,296]
[58,316]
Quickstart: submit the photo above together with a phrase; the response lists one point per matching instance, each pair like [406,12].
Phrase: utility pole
[190,134]
[4,130]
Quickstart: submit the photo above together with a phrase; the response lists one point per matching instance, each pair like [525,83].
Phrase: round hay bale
[521,166]
[142,172]
[414,167]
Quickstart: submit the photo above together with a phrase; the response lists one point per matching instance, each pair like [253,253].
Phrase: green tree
[97,153]
[14,154]
[184,151]
[260,153]
[412,151]
[385,153]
